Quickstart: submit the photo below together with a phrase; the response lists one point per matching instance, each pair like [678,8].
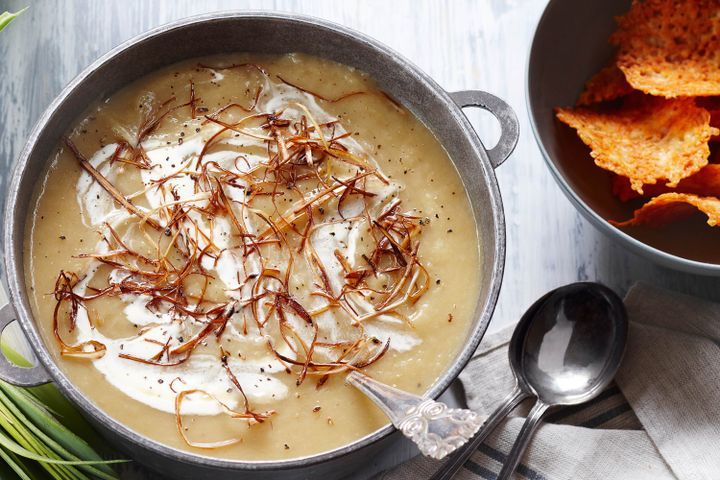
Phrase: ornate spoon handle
[435,428]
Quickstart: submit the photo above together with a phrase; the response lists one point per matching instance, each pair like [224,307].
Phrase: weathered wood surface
[462,44]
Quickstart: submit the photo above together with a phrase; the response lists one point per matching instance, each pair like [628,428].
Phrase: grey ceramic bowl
[266,33]
[570,45]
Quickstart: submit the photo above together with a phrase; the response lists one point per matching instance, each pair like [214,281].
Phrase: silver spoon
[435,428]
[565,350]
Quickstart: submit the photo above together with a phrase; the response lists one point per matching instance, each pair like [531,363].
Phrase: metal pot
[265,33]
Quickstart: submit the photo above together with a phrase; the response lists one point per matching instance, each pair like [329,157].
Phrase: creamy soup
[216,245]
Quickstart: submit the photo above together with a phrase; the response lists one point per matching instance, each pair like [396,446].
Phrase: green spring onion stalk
[7,17]
[42,436]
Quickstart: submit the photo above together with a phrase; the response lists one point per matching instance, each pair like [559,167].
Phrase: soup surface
[214,246]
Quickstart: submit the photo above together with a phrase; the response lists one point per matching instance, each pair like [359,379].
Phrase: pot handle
[11,373]
[509,126]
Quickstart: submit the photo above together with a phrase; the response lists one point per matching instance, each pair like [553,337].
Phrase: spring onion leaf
[7,17]
[12,465]
[64,437]
[47,424]
[34,437]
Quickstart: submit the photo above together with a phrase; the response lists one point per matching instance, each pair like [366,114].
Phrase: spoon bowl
[573,345]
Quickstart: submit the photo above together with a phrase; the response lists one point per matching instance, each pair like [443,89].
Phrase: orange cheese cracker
[670,48]
[606,85]
[648,140]
[671,207]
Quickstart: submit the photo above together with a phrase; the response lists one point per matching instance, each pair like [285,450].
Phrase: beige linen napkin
[661,420]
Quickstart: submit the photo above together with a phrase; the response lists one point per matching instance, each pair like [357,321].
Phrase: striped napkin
[660,420]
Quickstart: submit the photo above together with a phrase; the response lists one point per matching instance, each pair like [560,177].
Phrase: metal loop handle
[11,373]
[509,126]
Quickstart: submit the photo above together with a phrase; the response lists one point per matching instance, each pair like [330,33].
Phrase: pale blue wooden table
[462,44]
